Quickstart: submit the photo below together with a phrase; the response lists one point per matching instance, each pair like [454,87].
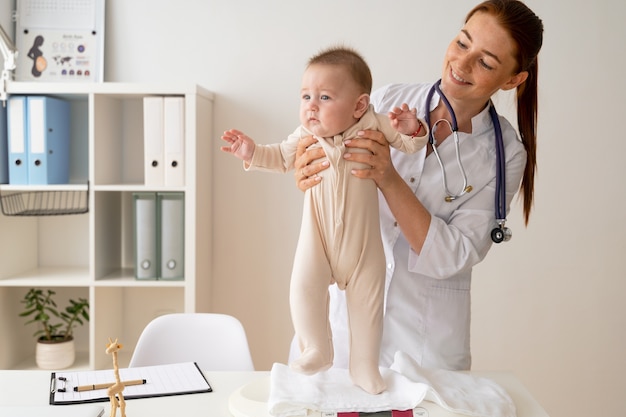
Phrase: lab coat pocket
[447,325]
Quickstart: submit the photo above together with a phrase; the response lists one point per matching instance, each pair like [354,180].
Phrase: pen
[107,385]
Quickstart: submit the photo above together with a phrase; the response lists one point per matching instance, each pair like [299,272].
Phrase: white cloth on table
[408,384]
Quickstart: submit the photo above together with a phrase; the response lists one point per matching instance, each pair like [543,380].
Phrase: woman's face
[480,61]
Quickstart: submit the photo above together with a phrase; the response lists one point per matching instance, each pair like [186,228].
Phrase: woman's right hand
[305,169]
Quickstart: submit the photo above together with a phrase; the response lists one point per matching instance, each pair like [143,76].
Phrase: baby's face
[328,100]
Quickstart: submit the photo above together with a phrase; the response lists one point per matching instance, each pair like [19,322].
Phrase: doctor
[432,244]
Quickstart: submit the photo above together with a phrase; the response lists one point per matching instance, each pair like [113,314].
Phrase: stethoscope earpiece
[501,234]
[450,198]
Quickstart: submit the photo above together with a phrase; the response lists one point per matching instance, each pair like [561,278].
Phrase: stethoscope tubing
[500,192]
[500,203]
[454,127]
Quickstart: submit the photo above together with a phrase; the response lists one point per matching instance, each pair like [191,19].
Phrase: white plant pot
[55,355]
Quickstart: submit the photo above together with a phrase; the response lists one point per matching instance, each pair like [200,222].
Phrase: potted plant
[55,341]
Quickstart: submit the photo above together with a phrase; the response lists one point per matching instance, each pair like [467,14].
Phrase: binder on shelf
[174,140]
[4,147]
[172,235]
[159,232]
[154,163]
[48,121]
[18,140]
[145,215]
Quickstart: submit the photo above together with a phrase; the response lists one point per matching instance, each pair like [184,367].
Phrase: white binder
[154,166]
[172,235]
[18,140]
[145,216]
[174,140]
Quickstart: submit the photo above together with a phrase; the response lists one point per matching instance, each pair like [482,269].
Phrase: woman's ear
[362,104]
[515,80]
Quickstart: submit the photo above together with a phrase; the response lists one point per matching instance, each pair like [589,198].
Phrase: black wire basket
[45,202]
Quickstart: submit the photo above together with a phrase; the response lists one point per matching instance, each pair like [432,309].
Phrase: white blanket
[408,384]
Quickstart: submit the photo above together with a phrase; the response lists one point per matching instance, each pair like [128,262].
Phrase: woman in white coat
[432,244]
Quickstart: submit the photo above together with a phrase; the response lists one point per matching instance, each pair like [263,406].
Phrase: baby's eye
[306,97]
[324,97]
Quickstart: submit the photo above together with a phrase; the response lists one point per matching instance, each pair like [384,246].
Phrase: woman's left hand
[378,158]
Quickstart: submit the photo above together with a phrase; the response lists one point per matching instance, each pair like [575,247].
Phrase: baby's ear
[362,105]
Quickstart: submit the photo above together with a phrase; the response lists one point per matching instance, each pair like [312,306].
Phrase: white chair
[216,342]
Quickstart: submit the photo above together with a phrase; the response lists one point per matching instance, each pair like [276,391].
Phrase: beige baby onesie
[339,242]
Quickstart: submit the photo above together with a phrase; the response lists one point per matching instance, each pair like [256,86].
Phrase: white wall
[549,304]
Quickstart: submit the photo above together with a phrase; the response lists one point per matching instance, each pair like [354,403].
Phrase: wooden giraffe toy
[115,391]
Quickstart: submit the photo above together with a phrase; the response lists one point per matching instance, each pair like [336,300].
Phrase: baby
[340,239]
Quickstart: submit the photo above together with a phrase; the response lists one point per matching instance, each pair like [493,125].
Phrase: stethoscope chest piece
[501,234]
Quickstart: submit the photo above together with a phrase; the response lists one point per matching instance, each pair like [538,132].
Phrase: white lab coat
[427,295]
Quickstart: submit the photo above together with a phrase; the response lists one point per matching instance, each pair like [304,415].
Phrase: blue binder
[48,121]
[17,140]
[4,147]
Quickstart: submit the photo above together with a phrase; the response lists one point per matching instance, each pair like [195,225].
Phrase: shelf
[49,277]
[81,363]
[107,88]
[126,278]
[51,187]
[92,255]
[133,188]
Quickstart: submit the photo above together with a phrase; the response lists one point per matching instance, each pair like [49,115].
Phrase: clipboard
[161,381]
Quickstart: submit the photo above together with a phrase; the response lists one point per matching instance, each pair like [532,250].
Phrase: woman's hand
[410,214]
[305,169]
[378,158]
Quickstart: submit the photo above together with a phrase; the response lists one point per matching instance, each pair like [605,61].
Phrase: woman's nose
[465,63]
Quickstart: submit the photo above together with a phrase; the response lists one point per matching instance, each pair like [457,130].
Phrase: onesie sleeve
[275,157]
[404,143]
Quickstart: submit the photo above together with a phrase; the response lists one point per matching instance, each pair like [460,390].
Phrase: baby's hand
[239,145]
[404,120]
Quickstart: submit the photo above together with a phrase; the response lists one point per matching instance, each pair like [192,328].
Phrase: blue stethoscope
[501,233]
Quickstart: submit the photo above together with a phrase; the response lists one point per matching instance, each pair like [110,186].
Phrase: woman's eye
[485,65]
[461,44]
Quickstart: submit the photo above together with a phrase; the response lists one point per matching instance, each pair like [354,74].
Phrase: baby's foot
[311,362]
[368,378]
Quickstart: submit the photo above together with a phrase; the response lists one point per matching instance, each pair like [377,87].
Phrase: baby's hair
[351,60]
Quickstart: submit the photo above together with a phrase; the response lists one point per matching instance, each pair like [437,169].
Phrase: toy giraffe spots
[115,391]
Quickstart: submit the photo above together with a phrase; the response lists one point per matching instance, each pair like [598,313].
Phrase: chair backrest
[216,342]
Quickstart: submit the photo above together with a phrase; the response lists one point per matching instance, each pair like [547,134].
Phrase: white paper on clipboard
[160,381]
